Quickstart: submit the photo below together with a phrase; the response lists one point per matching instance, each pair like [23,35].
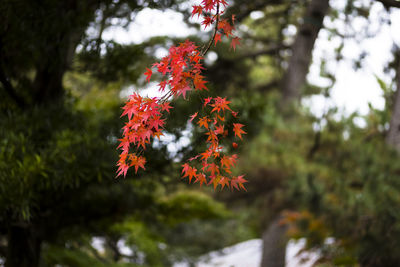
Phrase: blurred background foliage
[329,176]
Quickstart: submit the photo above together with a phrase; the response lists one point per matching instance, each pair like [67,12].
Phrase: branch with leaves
[182,70]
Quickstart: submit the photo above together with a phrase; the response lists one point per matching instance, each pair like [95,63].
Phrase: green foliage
[77,257]
[341,172]
[57,152]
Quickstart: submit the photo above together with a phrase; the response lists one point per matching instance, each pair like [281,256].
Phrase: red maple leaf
[122,170]
[201,178]
[165,106]
[206,155]
[197,10]
[190,172]
[162,85]
[207,21]
[226,27]
[193,116]
[208,4]
[139,162]
[183,91]
[213,169]
[158,134]
[148,74]
[237,130]
[156,123]
[220,104]
[203,122]
[224,182]
[217,39]
[219,129]
[199,83]
[238,181]
[215,181]
[235,41]
[207,100]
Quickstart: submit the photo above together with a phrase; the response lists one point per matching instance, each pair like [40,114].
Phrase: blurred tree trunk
[393,137]
[274,238]
[302,48]
[274,247]
[50,71]
[54,52]
[23,248]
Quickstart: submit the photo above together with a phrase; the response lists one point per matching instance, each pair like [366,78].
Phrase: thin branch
[390,3]
[215,32]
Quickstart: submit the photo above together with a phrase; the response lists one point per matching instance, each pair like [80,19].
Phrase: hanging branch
[182,70]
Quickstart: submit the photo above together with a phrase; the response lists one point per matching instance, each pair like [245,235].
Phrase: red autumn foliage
[181,70]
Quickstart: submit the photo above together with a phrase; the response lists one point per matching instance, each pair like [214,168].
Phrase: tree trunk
[23,248]
[275,239]
[274,244]
[50,72]
[393,137]
[303,46]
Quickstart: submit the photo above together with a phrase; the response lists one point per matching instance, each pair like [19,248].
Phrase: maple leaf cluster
[144,121]
[181,71]
[215,164]
[222,25]
[182,68]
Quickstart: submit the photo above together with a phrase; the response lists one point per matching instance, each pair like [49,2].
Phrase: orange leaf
[237,130]
[203,122]
[201,178]
[148,73]
[217,39]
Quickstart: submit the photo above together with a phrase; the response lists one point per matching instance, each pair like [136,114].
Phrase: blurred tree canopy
[59,124]
[329,172]
[326,176]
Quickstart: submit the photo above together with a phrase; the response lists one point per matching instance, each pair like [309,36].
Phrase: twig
[215,33]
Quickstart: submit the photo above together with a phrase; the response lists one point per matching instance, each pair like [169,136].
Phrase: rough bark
[303,46]
[274,244]
[23,248]
[393,137]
